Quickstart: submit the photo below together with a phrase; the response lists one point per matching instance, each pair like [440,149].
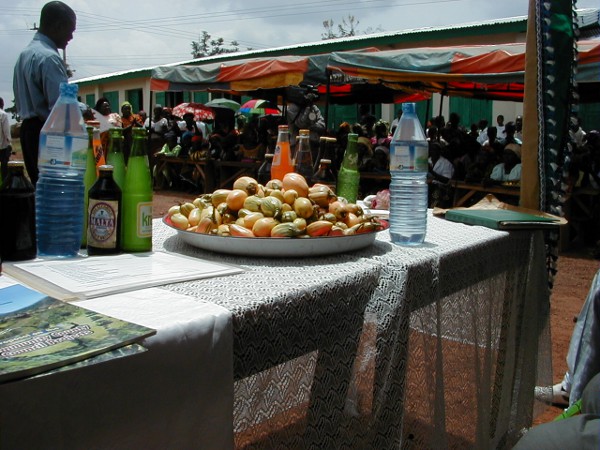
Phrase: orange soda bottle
[282,158]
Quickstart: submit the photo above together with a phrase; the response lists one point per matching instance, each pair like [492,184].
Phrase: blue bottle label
[62,151]
[409,157]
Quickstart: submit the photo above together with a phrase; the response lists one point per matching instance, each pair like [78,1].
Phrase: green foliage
[206,46]
[348,27]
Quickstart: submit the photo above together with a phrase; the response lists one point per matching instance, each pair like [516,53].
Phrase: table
[454,337]
[369,349]
[178,394]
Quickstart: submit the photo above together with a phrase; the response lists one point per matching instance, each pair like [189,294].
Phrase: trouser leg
[30,142]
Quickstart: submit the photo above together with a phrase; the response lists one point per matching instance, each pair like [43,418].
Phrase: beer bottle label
[102,223]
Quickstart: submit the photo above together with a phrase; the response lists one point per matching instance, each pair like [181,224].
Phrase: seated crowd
[484,154]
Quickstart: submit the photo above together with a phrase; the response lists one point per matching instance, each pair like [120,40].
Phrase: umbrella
[223,103]
[260,107]
[200,111]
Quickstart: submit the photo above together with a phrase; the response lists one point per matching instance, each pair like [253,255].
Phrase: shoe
[555,395]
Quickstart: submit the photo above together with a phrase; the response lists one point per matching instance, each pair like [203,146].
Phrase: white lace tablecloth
[439,344]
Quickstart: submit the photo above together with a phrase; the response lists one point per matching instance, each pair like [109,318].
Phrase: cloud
[114,35]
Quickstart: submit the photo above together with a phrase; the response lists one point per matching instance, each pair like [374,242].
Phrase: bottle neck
[351,155]
[116,145]
[283,136]
[138,147]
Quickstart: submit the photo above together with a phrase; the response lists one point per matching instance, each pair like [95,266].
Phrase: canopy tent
[494,72]
[242,75]
[267,77]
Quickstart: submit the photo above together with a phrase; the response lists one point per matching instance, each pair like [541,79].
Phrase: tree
[348,27]
[345,29]
[206,46]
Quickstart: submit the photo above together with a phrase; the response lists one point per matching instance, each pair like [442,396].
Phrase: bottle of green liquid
[89,178]
[115,156]
[137,198]
[348,176]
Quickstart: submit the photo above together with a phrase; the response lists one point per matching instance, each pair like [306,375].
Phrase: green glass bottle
[89,178]
[348,176]
[115,156]
[137,198]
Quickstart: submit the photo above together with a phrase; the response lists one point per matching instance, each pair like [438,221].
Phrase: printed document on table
[94,276]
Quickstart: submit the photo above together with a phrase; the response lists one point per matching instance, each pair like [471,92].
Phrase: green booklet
[40,333]
[500,219]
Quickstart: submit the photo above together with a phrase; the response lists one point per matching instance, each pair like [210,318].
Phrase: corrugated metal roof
[585,18]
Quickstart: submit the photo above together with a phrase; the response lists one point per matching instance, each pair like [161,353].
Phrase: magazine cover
[39,333]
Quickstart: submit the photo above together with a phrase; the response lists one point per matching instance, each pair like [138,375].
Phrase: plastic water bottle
[408,187]
[59,195]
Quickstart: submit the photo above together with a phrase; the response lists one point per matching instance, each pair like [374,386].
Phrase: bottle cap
[69,90]
[408,108]
[325,161]
[304,132]
[269,155]
[283,128]
[106,168]
[16,164]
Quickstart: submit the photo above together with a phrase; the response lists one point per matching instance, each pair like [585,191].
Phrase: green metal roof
[388,40]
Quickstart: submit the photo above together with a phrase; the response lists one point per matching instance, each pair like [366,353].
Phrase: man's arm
[53,73]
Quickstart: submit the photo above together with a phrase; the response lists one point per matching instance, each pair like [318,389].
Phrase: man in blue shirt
[38,73]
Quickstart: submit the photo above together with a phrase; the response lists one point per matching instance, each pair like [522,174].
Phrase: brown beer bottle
[104,214]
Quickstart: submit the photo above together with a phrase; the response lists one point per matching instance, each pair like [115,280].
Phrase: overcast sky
[115,35]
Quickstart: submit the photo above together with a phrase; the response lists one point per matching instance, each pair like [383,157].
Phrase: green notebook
[39,333]
[500,219]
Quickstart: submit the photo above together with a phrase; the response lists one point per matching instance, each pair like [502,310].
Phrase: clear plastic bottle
[59,195]
[303,163]
[17,215]
[282,158]
[136,209]
[348,179]
[408,186]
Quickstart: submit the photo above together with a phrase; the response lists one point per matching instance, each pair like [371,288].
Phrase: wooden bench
[174,165]
[229,171]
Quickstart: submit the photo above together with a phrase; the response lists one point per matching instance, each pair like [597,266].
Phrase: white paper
[101,275]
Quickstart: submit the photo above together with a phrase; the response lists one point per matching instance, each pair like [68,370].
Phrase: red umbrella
[200,111]
[260,107]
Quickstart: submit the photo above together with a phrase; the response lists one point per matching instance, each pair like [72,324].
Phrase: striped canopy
[389,76]
[479,71]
